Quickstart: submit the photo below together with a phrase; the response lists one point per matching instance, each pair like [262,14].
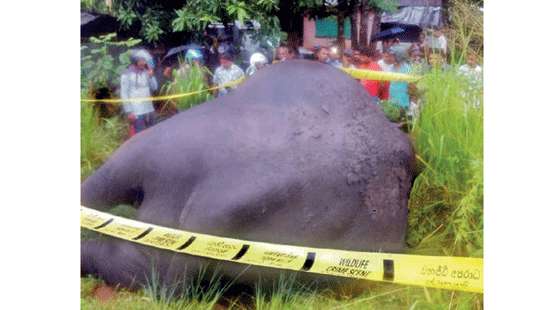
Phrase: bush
[446,203]
[98,138]
[194,79]
[392,111]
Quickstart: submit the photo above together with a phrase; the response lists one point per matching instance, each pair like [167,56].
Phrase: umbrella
[181,49]
[389,33]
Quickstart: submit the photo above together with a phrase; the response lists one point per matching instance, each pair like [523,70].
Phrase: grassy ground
[445,218]
[374,296]
[98,138]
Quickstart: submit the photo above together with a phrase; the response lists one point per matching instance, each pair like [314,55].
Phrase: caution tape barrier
[454,273]
[355,73]
[380,75]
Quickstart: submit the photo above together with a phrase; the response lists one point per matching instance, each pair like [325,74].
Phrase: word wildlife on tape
[454,273]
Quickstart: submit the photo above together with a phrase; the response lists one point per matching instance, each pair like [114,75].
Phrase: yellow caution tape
[355,73]
[380,75]
[166,97]
[454,273]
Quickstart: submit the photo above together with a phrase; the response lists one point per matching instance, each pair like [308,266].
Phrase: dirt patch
[104,293]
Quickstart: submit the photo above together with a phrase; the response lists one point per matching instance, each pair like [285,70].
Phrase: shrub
[446,203]
[194,79]
[98,138]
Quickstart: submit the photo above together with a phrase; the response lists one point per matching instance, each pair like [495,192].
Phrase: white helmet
[258,58]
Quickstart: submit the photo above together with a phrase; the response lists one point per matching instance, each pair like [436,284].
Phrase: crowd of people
[139,81]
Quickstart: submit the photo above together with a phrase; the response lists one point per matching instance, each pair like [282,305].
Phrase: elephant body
[299,154]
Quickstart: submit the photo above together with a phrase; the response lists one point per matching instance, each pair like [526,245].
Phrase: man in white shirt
[440,40]
[471,69]
[385,63]
[226,72]
[138,81]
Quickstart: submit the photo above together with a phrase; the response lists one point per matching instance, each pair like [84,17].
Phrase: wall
[310,41]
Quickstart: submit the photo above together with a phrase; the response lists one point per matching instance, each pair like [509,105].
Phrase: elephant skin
[299,154]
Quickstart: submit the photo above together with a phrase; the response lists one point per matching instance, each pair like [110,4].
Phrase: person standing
[399,90]
[138,81]
[373,87]
[440,40]
[227,72]
[474,74]
[322,55]
[193,58]
[347,59]
[385,63]
[282,53]
[419,65]
[471,69]
[257,61]
[436,60]
[334,57]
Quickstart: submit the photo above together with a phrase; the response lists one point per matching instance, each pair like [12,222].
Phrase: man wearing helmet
[193,57]
[257,61]
[138,81]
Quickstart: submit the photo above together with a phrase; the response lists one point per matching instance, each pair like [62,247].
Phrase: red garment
[375,88]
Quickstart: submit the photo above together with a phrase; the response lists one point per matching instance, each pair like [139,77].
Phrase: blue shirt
[399,90]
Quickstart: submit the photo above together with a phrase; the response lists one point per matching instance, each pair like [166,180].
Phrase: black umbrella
[181,49]
[389,33]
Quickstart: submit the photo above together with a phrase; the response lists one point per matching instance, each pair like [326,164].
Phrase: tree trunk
[363,30]
[354,39]
[375,28]
[341,38]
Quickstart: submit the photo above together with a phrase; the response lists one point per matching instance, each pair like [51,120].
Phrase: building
[411,15]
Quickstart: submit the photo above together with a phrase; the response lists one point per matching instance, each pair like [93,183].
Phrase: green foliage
[383,5]
[323,8]
[197,14]
[94,6]
[392,111]
[98,138]
[194,78]
[154,17]
[99,68]
[465,29]
[160,17]
[446,203]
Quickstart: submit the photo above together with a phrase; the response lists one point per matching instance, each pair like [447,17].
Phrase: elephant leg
[135,266]
[115,262]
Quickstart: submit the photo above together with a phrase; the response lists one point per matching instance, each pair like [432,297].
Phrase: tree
[344,9]
[157,18]
[372,5]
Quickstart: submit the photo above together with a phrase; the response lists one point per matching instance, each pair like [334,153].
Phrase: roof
[86,17]
[420,2]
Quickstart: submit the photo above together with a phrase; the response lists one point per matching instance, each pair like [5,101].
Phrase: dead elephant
[299,154]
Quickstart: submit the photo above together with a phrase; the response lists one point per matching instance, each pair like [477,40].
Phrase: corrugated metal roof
[86,18]
[420,2]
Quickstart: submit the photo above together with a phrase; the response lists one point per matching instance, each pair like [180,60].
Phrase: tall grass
[98,138]
[465,29]
[194,79]
[446,203]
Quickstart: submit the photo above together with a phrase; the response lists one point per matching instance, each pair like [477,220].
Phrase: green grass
[445,218]
[288,295]
[194,80]
[446,203]
[98,138]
